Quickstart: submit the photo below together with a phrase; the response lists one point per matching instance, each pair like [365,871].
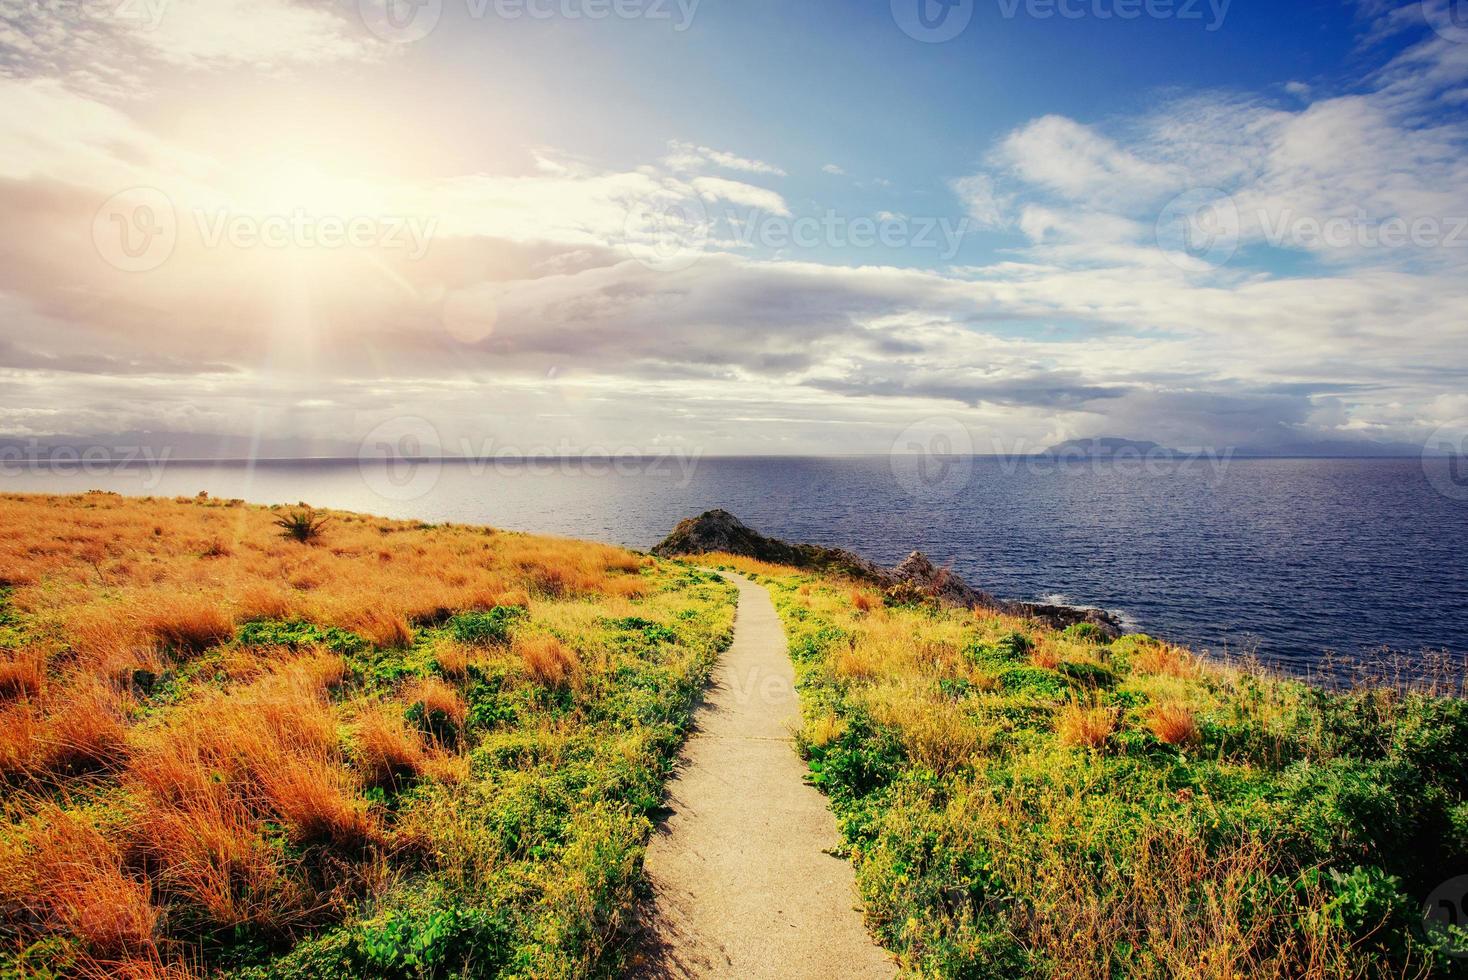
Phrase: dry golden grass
[216,789]
[186,624]
[823,730]
[1045,655]
[942,739]
[70,877]
[87,729]
[22,674]
[547,661]
[452,660]
[1085,727]
[1173,723]
[160,584]
[1165,659]
[20,728]
[439,701]
[383,629]
[863,601]
[388,751]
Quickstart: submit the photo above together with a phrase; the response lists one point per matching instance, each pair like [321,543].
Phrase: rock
[1059,617]
[721,531]
[940,583]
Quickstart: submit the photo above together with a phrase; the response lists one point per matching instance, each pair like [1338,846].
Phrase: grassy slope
[1019,801]
[399,750]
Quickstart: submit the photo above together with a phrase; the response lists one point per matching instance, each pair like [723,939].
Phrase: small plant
[1085,727]
[1086,633]
[388,751]
[437,708]
[489,628]
[547,661]
[1174,724]
[304,526]
[904,594]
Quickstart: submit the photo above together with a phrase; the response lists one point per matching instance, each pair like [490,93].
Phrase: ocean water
[1293,560]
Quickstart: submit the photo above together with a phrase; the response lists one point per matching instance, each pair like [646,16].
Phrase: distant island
[1105,447]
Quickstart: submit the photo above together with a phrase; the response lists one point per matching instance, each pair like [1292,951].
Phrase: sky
[733,226]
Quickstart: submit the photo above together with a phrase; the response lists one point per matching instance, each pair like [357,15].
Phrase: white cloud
[833,170]
[1085,325]
[1075,161]
[981,200]
[744,195]
[254,33]
[688,156]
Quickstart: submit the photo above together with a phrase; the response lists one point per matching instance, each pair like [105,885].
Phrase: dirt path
[742,882]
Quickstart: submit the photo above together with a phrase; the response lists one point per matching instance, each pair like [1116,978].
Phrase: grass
[1024,802]
[387,749]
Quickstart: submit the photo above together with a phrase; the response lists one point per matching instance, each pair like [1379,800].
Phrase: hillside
[1025,802]
[391,750]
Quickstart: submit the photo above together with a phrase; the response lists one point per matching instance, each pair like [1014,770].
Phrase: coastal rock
[1059,617]
[941,583]
[720,531]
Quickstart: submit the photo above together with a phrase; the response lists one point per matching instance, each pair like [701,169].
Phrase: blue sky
[749,226]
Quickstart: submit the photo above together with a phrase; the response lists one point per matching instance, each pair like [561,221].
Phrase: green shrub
[1037,681]
[864,759]
[304,526]
[1086,633]
[297,633]
[489,628]
[1088,675]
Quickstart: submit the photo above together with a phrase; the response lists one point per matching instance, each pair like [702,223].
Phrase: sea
[1302,563]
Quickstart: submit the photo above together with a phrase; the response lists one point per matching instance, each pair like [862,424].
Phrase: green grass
[1295,835]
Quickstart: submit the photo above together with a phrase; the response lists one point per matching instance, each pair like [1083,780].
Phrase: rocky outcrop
[721,531]
[940,583]
[1059,617]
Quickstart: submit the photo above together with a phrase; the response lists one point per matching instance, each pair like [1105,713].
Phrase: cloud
[833,170]
[981,201]
[688,156]
[745,195]
[532,304]
[1079,163]
[121,50]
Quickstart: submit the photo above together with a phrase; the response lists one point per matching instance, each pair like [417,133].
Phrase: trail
[742,882]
